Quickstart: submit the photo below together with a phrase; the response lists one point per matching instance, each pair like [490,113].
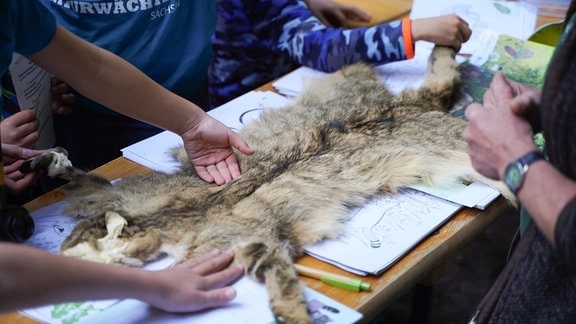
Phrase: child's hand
[62,97]
[194,285]
[13,156]
[449,30]
[210,146]
[20,129]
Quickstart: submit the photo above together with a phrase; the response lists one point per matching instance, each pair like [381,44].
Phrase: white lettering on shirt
[171,8]
[157,8]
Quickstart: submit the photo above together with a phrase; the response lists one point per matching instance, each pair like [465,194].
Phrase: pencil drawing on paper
[251,115]
[466,12]
[396,216]
[49,234]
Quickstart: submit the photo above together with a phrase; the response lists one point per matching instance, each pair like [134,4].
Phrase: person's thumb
[237,142]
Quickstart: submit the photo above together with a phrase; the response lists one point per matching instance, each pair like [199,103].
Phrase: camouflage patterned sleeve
[256,41]
[309,42]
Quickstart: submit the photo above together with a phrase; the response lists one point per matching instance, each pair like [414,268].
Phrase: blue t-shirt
[259,40]
[26,28]
[167,40]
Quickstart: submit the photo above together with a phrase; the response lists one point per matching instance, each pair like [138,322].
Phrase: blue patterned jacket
[257,41]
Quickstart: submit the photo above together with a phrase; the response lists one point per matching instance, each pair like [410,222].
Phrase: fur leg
[55,163]
[437,92]
[274,267]
[442,76]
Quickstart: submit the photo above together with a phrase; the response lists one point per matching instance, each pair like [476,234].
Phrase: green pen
[333,279]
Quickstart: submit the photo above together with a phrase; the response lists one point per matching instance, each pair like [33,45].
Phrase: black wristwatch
[515,171]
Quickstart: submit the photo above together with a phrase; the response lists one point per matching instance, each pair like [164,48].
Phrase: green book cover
[519,60]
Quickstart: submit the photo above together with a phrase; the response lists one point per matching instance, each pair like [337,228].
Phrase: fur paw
[299,315]
[54,162]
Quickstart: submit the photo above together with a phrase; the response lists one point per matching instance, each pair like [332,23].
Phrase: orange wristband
[407,35]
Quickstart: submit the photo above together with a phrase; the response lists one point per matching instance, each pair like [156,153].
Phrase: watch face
[513,176]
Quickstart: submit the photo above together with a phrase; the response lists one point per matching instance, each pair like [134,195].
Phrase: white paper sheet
[32,86]
[512,18]
[385,230]
[249,306]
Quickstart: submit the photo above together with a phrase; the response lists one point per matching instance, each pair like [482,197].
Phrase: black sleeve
[565,235]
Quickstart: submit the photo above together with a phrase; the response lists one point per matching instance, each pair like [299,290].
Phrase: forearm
[545,200]
[306,40]
[30,277]
[331,49]
[112,82]
[132,93]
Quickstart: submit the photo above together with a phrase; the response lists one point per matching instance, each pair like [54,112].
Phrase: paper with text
[32,86]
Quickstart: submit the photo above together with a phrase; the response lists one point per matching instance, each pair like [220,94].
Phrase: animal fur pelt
[345,141]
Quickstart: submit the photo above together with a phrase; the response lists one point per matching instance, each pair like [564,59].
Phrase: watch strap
[531,157]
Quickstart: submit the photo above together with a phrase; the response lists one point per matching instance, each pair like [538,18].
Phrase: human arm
[335,14]
[111,81]
[296,33]
[21,128]
[545,191]
[31,277]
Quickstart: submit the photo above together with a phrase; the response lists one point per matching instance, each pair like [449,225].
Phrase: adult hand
[449,30]
[62,97]
[210,148]
[527,104]
[197,284]
[334,14]
[495,133]
[20,128]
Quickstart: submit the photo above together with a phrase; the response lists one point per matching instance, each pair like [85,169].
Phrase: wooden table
[423,264]
[380,10]
[417,266]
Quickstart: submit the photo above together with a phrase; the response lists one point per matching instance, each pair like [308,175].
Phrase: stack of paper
[380,233]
